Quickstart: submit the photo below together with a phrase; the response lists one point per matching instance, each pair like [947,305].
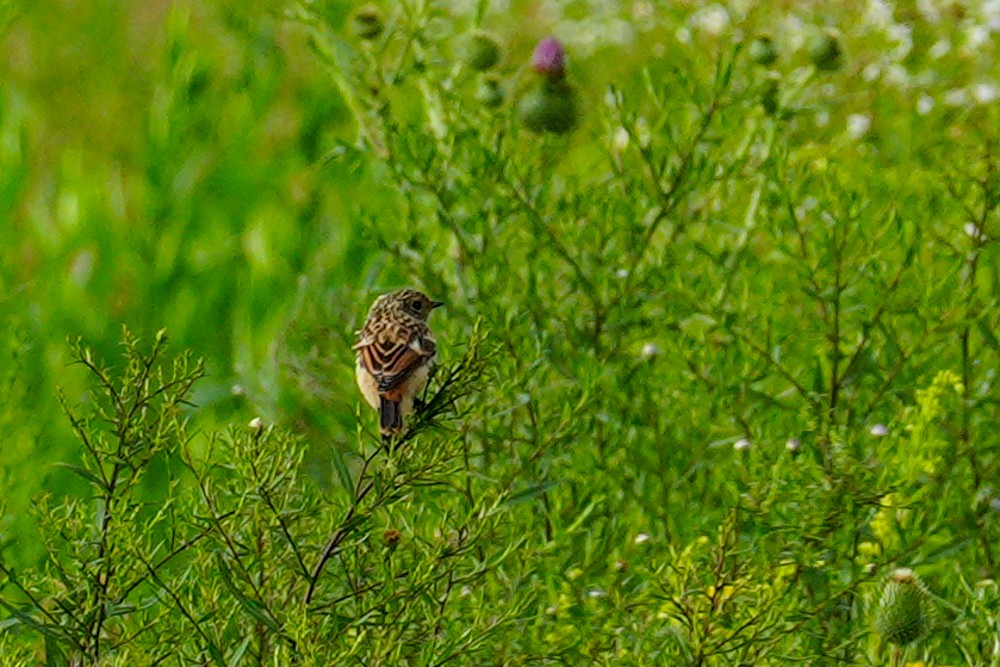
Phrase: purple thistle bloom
[549,58]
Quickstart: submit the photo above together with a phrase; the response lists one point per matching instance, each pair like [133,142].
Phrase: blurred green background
[169,165]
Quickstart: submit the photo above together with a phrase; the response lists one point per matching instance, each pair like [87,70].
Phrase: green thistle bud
[366,22]
[824,51]
[762,51]
[482,52]
[490,93]
[769,97]
[902,612]
[551,106]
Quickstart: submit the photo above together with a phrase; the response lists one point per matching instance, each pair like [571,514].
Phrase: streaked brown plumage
[395,352]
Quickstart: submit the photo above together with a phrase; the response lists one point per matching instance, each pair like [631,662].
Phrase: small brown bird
[395,352]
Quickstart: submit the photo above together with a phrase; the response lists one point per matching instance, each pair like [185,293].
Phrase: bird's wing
[391,362]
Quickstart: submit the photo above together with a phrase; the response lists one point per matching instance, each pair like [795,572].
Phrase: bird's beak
[436,304]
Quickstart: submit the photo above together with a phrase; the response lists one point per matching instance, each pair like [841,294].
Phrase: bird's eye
[417,305]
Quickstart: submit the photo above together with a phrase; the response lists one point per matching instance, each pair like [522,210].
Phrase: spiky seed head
[824,51]
[551,106]
[366,22]
[903,610]
[762,51]
[482,52]
[490,92]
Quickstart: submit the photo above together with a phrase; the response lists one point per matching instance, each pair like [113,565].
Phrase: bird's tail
[390,416]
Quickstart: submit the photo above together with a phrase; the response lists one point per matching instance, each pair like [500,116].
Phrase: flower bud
[549,58]
[481,52]
[490,93]
[551,106]
[902,615]
[366,22]
[762,51]
[824,51]
[769,98]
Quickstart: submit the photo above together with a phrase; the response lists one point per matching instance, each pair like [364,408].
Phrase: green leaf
[54,657]
[82,472]
[529,493]
[340,466]
[237,656]
[987,333]
[254,607]
[216,654]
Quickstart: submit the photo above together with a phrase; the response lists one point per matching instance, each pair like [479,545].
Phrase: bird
[395,353]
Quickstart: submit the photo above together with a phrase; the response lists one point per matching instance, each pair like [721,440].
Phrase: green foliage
[720,258]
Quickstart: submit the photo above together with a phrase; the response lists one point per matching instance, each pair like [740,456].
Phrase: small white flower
[552,610]
[897,75]
[929,10]
[974,231]
[256,424]
[794,31]
[650,350]
[620,140]
[940,49]
[858,124]
[642,538]
[902,34]
[621,274]
[976,37]
[713,20]
[596,593]
[238,390]
[793,445]
[741,444]
[879,430]
[642,134]
[642,10]
[990,10]
[925,104]
[466,591]
[984,93]
[871,72]
[612,98]
[956,97]
[879,14]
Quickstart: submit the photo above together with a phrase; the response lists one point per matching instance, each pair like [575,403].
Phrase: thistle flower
[549,58]
[551,104]
[902,615]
